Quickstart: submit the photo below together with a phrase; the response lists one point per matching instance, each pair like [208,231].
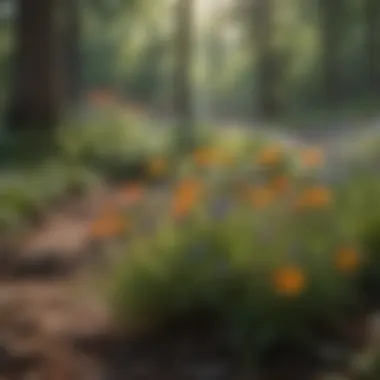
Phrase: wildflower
[108,226]
[261,197]
[186,195]
[347,260]
[188,187]
[289,280]
[157,167]
[132,193]
[312,157]
[280,184]
[315,197]
[182,206]
[205,157]
[270,155]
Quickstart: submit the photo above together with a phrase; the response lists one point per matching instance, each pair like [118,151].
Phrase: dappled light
[190,189]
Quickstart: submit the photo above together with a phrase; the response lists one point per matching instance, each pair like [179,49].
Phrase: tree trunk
[266,65]
[183,104]
[331,38]
[73,36]
[372,19]
[35,102]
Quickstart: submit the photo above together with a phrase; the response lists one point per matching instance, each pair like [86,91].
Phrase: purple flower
[220,208]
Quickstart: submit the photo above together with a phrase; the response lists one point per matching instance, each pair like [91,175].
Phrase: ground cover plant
[83,157]
[258,238]
[26,193]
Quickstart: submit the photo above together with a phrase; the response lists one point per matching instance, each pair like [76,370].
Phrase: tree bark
[372,20]
[265,64]
[73,38]
[331,37]
[183,104]
[37,80]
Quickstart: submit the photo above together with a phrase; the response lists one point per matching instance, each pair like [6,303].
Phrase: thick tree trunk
[36,101]
[372,19]
[266,65]
[331,32]
[183,104]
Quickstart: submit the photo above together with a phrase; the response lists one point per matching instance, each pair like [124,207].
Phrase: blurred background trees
[236,59]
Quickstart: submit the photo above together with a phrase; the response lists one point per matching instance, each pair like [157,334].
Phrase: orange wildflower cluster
[270,155]
[312,157]
[261,197]
[204,157]
[347,260]
[315,197]
[186,195]
[280,184]
[289,281]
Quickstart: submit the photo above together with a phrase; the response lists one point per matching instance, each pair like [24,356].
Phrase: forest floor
[54,327]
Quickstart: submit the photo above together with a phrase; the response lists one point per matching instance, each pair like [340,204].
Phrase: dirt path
[45,302]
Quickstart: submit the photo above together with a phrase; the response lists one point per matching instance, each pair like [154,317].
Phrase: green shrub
[27,192]
[266,260]
[362,201]
[113,143]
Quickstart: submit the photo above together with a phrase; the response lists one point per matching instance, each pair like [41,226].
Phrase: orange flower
[157,167]
[289,280]
[270,155]
[280,184]
[205,157]
[315,197]
[312,157]
[182,206]
[186,195]
[132,193]
[108,226]
[188,187]
[261,197]
[347,260]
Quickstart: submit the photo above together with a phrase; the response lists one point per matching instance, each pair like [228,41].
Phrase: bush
[260,243]
[116,144]
[362,199]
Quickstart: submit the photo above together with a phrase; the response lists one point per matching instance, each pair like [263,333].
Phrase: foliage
[257,239]
[28,192]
